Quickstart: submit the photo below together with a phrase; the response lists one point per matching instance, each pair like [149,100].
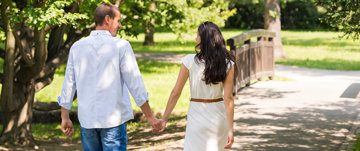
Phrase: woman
[211,72]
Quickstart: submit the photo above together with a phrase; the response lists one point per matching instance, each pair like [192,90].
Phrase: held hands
[157,125]
[67,128]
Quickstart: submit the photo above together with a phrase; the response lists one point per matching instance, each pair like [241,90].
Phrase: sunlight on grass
[323,50]
[52,131]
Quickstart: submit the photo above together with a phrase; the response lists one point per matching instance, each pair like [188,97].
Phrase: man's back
[100,65]
[103,69]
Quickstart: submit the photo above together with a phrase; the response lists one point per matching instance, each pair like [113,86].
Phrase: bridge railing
[254,55]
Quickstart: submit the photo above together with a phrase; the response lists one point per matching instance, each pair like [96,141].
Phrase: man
[102,68]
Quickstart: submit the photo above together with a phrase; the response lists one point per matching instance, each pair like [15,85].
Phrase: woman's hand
[230,139]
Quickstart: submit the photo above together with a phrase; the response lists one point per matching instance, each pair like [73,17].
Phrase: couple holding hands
[103,70]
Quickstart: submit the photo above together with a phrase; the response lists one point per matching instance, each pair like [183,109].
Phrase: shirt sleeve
[229,65]
[187,61]
[69,85]
[131,75]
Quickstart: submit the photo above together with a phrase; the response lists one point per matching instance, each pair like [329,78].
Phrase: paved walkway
[318,111]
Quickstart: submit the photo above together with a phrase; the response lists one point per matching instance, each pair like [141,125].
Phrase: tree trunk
[17,123]
[150,27]
[272,23]
[16,98]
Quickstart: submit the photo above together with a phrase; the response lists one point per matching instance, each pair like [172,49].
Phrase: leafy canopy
[179,16]
[343,15]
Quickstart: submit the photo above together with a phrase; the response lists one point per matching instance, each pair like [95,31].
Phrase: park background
[314,34]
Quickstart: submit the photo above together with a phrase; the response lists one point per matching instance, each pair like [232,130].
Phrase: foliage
[175,15]
[211,10]
[299,14]
[135,14]
[54,12]
[248,15]
[343,15]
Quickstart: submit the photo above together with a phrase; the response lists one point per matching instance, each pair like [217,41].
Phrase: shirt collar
[99,32]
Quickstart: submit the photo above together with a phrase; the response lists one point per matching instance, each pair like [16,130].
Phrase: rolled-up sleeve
[131,75]
[69,85]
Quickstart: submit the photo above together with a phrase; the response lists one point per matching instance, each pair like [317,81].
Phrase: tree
[150,26]
[272,23]
[175,15]
[343,15]
[29,61]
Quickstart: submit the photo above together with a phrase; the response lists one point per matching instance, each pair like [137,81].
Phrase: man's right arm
[66,125]
[69,84]
[66,98]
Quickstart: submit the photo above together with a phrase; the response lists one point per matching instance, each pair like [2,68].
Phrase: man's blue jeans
[104,139]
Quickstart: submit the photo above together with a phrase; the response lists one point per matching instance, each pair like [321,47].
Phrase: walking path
[319,110]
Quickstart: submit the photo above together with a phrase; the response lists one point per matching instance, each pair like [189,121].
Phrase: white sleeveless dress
[207,127]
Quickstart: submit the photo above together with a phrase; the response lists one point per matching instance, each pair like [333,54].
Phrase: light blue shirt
[102,69]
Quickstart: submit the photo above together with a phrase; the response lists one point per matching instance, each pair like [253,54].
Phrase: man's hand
[67,127]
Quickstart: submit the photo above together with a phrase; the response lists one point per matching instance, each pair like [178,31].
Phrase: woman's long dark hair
[213,51]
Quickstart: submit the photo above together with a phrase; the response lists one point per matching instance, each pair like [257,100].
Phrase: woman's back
[198,88]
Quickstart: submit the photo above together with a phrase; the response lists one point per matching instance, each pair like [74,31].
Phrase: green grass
[322,50]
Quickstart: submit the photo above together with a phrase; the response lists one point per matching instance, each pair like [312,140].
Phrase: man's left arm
[131,75]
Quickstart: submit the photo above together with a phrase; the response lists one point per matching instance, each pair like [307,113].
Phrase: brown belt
[206,101]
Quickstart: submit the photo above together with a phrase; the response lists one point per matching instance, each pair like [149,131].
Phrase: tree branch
[25,56]
[45,106]
[27,73]
[56,40]
[74,35]
[41,83]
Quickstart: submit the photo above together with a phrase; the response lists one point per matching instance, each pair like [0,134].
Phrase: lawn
[322,50]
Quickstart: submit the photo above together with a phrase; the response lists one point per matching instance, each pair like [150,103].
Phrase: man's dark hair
[103,10]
